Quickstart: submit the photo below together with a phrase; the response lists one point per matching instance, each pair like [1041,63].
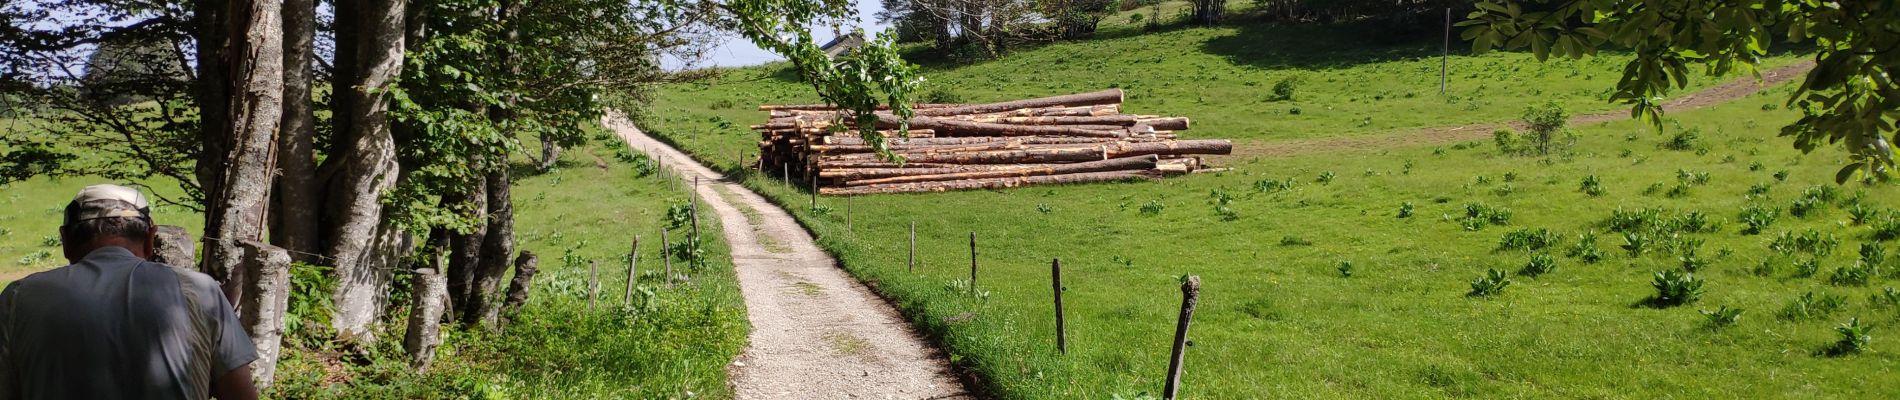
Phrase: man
[115,326]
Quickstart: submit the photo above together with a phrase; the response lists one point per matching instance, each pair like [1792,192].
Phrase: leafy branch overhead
[861,81]
[1847,99]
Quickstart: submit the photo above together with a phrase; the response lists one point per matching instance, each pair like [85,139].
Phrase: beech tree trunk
[296,200]
[496,247]
[267,277]
[465,251]
[425,331]
[212,96]
[363,168]
[237,213]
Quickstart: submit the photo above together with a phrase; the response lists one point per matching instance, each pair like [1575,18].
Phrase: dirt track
[817,333]
[1452,134]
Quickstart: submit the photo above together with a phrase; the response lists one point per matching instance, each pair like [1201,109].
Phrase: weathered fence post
[1062,334]
[1190,294]
[694,196]
[972,263]
[814,192]
[785,174]
[267,273]
[913,247]
[593,283]
[428,301]
[666,253]
[633,271]
[848,225]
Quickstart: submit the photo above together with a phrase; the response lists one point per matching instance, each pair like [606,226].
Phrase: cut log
[848,174]
[841,143]
[949,127]
[1118,120]
[267,295]
[1061,153]
[1111,96]
[992,183]
[830,107]
[1118,164]
[824,165]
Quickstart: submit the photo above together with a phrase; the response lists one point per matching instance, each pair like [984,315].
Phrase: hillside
[1345,272]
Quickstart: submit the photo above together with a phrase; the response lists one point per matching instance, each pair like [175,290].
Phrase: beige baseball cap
[107,201]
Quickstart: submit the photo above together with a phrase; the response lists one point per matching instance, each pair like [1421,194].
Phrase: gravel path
[816,333]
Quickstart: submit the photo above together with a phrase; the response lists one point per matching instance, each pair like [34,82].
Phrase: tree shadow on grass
[1276,46]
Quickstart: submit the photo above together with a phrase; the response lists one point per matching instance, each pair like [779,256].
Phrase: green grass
[1276,317]
[672,343]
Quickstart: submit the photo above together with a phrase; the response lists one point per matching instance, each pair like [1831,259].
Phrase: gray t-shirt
[115,326]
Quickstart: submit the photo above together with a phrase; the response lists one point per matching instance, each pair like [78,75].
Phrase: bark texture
[497,245]
[430,297]
[174,247]
[238,208]
[296,200]
[465,251]
[524,280]
[364,168]
[267,277]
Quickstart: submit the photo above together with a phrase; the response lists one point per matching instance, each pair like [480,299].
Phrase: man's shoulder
[190,277]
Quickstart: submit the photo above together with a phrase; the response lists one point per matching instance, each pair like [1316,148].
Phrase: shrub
[1273,186]
[1153,207]
[1286,88]
[1684,140]
[1586,248]
[1507,141]
[1696,222]
[1405,210]
[1345,268]
[1591,186]
[1528,239]
[1781,175]
[1544,121]
[1755,218]
[1491,284]
[1539,264]
[1806,267]
[1809,306]
[1886,226]
[1803,206]
[1723,317]
[1758,190]
[1676,288]
[1635,243]
[1693,178]
[1809,241]
[1478,216]
[1634,221]
[941,95]
[1872,254]
[1854,338]
[1888,298]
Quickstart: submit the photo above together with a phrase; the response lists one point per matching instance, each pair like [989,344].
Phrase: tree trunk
[465,251]
[496,247]
[296,200]
[212,96]
[425,330]
[267,277]
[257,78]
[550,153]
[364,169]
[524,279]
[174,247]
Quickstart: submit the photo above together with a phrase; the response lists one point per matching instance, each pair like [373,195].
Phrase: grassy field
[670,343]
[1278,316]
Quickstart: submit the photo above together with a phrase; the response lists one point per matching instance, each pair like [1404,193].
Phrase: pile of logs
[1063,139]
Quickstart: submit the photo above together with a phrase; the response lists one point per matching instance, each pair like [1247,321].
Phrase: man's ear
[151,241]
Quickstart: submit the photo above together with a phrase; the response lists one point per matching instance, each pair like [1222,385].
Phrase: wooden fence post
[785,174]
[913,248]
[848,225]
[593,283]
[814,193]
[1190,294]
[973,263]
[694,198]
[633,271]
[666,253]
[1062,333]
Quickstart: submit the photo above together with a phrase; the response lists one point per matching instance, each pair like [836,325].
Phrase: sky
[738,52]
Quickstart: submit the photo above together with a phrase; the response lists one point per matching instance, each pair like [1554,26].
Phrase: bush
[679,215]
[1507,141]
[1755,218]
[1539,264]
[1860,214]
[1854,275]
[1684,140]
[941,95]
[1872,254]
[1345,268]
[1854,338]
[1491,284]
[1691,261]
[1591,186]
[1529,239]
[1286,88]
[1809,241]
[1273,186]
[1405,210]
[1723,317]
[1544,121]
[1478,216]
[1586,248]
[1809,307]
[1676,288]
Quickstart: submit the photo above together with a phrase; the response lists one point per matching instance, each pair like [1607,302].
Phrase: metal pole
[1444,63]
